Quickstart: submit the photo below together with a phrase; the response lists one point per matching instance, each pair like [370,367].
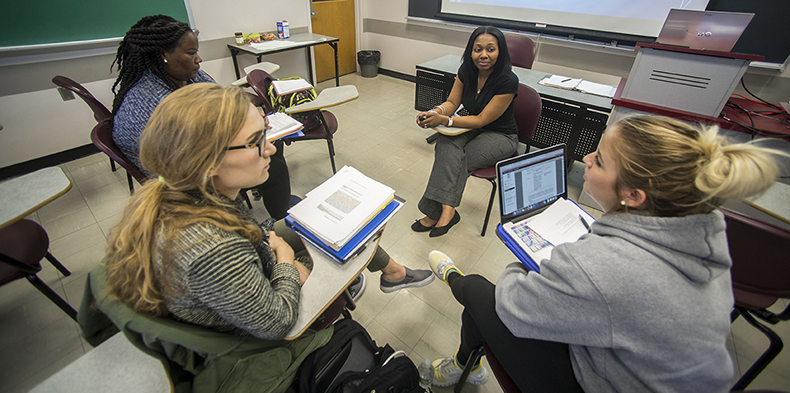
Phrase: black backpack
[351,362]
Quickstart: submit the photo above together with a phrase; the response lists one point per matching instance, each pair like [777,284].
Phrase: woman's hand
[285,254]
[430,119]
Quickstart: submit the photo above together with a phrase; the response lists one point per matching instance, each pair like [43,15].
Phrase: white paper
[290,86]
[596,88]
[560,81]
[281,125]
[273,44]
[338,208]
[561,222]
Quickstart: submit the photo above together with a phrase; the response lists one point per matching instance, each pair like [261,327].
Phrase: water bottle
[426,375]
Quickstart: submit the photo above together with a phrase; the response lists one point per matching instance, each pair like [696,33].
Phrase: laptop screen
[711,30]
[530,182]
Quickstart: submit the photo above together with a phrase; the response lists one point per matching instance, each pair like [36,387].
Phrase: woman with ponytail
[157,56]
[185,247]
[642,303]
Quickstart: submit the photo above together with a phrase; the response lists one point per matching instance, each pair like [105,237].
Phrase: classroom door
[334,18]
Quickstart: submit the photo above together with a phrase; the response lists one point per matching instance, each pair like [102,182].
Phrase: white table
[326,282]
[25,194]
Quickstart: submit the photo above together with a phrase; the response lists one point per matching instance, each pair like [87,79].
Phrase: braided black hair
[141,48]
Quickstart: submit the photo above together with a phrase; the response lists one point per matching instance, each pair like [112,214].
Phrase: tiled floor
[378,136]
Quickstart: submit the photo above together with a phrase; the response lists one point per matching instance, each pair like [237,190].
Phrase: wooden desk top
[327,281]
[328,97]
[25,194]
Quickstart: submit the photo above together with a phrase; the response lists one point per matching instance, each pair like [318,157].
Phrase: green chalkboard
[29,22]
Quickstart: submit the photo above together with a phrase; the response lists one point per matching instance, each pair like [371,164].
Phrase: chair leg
[112,165]
[331,154]
[55,262]
[773,350]
[350,305]
[473,359]
[490,205]
[131,183]
[48,292]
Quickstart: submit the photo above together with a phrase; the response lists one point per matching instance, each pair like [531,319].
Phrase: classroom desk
[300,40]
[568,116]
[774,202]
[25,194]
[327,281]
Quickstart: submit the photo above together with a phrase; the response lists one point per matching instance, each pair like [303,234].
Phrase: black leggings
[276,191]
[534,365]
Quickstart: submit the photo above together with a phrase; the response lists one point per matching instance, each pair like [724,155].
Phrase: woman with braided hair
[157,56]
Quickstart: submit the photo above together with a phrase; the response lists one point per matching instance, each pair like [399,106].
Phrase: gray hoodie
[642,301]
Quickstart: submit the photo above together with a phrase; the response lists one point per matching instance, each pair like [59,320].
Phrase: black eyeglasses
[260,144]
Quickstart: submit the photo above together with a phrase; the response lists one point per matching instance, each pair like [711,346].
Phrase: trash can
[369,62]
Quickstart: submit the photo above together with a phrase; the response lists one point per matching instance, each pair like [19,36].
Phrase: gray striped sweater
[222,281]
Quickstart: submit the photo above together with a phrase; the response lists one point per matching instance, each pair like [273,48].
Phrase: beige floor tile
[407,317]
[77,241]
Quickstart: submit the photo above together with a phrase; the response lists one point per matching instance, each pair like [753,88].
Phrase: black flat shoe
[418,227]
[439,231]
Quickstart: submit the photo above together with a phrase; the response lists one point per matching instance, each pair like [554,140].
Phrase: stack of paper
[281,125]
[290,85]
[340,207]
[560,81]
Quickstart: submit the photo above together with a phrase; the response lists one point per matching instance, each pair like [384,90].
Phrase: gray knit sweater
[223,281]
[643,302]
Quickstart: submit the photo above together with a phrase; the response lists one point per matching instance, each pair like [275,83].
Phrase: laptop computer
[528,185]
[709,30]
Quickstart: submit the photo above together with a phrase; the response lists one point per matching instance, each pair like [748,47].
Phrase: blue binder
[354,246]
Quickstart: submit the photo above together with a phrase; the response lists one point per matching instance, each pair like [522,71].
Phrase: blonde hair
[683,170]
[184,141]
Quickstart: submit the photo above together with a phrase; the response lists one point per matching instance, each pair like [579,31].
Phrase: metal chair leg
[774,348]
[490,205]
[55,262]
[112,165]
[54,297]
[131,183]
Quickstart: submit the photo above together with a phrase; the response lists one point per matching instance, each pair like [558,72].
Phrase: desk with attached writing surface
[25,194]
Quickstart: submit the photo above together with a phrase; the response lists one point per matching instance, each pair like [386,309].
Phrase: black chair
[101,136]
[23,245]
[527,108]
[760,276]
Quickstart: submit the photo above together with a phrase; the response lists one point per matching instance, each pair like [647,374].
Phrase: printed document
[341,206]
[281,125]
[561,222]
[290,86]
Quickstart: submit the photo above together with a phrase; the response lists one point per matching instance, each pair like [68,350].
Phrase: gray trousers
[379,261]
[455,159]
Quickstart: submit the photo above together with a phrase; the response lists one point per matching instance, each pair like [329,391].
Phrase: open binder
[371,230]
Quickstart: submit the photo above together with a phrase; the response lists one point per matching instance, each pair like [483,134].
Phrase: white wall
[38,122]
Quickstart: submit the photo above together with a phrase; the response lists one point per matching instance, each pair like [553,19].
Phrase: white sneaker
[442,265]
[446,373]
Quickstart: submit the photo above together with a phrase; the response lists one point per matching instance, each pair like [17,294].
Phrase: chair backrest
[527,108]
[101,136]
[759,252]
[521,49]
[260,80]
[100,112]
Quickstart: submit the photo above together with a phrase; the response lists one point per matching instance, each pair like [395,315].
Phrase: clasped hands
[430,119]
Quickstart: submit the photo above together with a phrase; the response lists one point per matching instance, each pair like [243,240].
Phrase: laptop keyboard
[531,238]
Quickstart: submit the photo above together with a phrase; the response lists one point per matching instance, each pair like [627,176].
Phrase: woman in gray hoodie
[641,303]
